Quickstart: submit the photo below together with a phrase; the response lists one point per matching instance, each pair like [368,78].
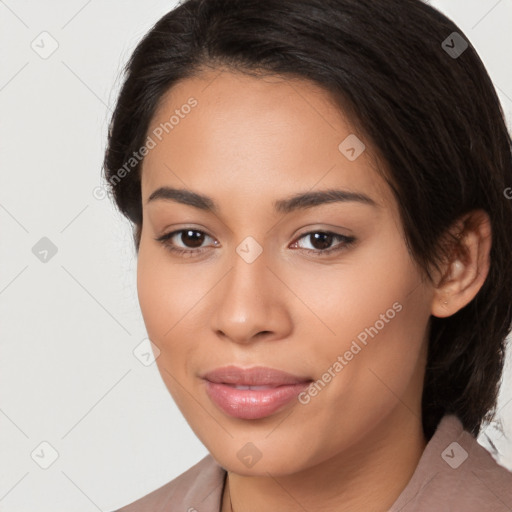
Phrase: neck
[368,476]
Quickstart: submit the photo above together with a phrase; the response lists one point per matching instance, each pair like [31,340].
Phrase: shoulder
[456,473]
[198,488]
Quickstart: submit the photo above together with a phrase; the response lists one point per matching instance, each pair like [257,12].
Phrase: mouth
[254,388]
[252,393]
[257,376]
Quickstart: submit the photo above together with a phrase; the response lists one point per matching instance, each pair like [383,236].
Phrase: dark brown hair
[423,100]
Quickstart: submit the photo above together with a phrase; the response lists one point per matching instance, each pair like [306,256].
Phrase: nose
[251,303]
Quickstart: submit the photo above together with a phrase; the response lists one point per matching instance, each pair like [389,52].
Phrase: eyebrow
[298,201]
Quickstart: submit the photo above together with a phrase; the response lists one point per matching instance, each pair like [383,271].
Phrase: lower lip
[251,404]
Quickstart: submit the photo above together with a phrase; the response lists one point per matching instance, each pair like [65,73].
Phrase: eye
[322,240]
[192,238]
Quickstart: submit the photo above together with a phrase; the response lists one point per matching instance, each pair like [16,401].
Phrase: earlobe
[466,273]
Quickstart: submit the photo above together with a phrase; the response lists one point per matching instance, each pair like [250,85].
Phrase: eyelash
[346,241]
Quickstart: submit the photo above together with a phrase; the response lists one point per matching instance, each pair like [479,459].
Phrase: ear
[464,274]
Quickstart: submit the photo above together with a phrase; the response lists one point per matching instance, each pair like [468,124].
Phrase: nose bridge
[250,301]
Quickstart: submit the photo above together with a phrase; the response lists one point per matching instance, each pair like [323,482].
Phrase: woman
[318,195]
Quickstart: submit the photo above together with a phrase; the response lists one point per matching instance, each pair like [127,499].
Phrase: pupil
[325,240]
[197,240]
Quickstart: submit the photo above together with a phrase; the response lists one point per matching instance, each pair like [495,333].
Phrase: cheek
[164,308]
[165,290]
[380,319]
[152,295]
[376,309]
[377,279]
[172,298]
[162,300]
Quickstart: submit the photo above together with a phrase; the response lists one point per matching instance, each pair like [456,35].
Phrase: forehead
[256,136]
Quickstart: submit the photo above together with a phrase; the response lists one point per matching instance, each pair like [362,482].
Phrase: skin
[248,142]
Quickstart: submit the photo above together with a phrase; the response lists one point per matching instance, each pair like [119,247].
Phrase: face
[323,289]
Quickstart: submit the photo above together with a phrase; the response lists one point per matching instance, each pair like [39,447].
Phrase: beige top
[455,473]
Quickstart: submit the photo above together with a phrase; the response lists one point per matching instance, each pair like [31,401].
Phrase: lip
[274,389]
[255,376]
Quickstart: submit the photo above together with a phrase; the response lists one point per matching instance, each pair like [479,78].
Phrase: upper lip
[255,376]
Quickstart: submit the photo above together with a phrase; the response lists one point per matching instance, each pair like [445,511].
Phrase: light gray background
[69,326]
